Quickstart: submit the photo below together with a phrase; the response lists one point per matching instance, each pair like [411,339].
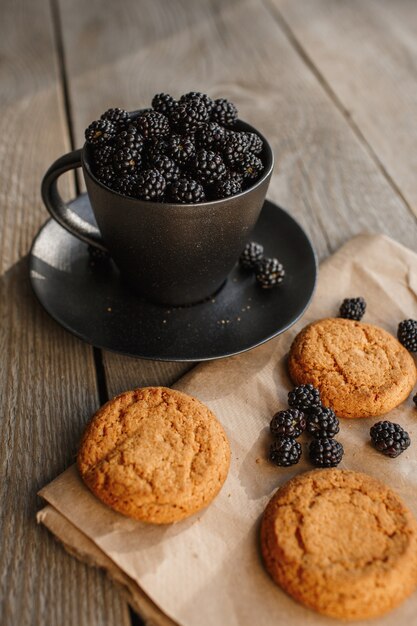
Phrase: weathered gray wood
[365,51]
[47,378]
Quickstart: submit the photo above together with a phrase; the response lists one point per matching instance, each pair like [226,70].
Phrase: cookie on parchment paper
[154,454]
[360,369]
[340,542]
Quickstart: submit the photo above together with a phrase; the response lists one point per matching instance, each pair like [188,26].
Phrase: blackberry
[352,308]
[269,272]
[407,334]
[304,397]
[125,184]
[209,166]
[126,160]
[119,117]
[130,138]
[152,124]
[224,112]
[234,147]
[285,451]
[390,439]
[168,168]
[227,187]
[250,166]
[155,148]
[290,423]
[181,149]
[106,174]
[322,423]
[255,143]
[151,185]
[164,103]
[195,95]
[187,191]
[103,155]
[325,452]
[251,255]
[210,136]
[100,132]
[187,117]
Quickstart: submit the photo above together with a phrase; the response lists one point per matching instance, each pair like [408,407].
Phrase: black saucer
[92,302]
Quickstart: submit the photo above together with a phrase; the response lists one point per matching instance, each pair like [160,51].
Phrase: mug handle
[59,210]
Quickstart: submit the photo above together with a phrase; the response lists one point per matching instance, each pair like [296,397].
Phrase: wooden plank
[47,378]
[123,54]
[366,53]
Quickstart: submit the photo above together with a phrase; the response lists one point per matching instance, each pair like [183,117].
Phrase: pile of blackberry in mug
[184,151]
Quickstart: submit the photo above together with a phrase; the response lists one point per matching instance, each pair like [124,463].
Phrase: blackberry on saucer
[389,438]
[151,185]
[181,149]
[164,103]
[210,136]
[407,334]
[269,273]
[352,308]
[187,191]
[325,452]
[255,143]
[285,451]
[209,166]
[168,167]
[304,397]
[322,423]
[126,184]
[126,160]
[152,124]
[100,132]
[187,117]
[119,117]
[250,166]
[251,255]
[289,423]
[224,112]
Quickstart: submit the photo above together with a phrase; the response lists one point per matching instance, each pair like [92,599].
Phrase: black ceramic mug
[174,254]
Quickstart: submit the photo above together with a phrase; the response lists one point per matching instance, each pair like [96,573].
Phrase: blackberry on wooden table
[285,451]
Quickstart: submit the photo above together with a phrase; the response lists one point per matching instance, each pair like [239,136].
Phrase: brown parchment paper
[207,570]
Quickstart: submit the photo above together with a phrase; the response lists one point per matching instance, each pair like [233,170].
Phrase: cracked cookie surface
[154,454]
[360,369]
[340,542]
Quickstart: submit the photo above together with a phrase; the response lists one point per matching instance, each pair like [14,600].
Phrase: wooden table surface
[331,83]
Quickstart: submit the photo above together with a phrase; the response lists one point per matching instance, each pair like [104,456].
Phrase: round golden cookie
[154,454]
[361,370]
[341,543]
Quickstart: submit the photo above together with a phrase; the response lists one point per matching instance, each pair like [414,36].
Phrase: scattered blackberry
[125,184]
[181,149]
[187,191]
[210,136]
[255,143]
[352,308]
[251,255]
[234,147]
[407,334]
[119,117]
[304,397]
[151,185]
[224,112]
[269,272]
[126,160]
[168,168]
[155,148]
[130,139]
[390,439]
[100,132]
[250,166]
[209,166]
[164,103]
[227,187]
[106,174]
[195,95]
[322,423]
[187,117]
[103,155]
[285,451]
[290,423]
[325,452]
[152,124]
